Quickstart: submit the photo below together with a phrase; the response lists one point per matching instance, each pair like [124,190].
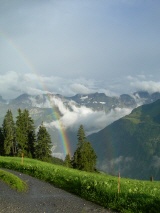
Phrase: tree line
[84,157]
[20,137]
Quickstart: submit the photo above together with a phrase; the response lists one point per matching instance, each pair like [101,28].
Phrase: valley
[122,141]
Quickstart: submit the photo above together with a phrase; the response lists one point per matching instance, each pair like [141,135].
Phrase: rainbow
[62,133]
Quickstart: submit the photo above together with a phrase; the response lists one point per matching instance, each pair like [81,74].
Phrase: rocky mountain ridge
[94,110]
[96,101]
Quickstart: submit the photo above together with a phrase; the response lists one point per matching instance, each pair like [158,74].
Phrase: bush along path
[122,195]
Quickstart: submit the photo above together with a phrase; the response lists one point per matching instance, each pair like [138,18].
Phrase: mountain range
[131,145]
[117,136]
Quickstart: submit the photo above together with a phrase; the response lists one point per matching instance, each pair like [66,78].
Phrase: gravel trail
[43,197]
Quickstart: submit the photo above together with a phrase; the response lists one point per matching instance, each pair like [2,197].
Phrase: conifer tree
[1,142]
[67,161]
[84,157]
[44,144]
[30,131]
[81,136]
[21,133]
[8,129]
[25,133]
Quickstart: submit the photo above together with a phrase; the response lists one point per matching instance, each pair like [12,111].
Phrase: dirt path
[42,197]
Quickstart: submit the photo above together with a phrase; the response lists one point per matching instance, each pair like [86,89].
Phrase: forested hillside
[131,145]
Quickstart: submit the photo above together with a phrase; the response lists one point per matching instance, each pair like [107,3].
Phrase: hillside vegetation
[131,144]
[123,195]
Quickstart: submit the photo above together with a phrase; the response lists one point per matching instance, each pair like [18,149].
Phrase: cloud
[74,116]
[143,82]
[113,166]
[72,39]
[149,86]
[141,76]
[156,162]
[80,89]
[13,84]
[10,84]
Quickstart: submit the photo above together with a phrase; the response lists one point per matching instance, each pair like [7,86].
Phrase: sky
[79,46]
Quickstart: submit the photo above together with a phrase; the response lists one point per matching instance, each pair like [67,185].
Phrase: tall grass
[13,181]
[135,196]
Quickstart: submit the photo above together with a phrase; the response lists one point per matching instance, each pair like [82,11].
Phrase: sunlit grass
[13,181]
[133,120]
[135,196]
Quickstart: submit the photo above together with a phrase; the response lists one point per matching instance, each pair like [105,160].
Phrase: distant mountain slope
[95,111]
[99,101]
[131,145]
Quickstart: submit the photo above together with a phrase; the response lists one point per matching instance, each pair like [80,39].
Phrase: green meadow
[121,195]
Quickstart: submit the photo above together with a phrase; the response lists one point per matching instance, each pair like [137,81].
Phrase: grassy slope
[135,196]
[13,181]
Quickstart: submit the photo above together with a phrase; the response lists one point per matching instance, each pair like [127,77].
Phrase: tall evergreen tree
[8,129]
[21,133]
[67,161]
[25,133]
[84,157]
[44,144]
[87,157]
[81,136]
[1,142]
[30,131]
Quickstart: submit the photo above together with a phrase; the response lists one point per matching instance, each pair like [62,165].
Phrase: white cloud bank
[93,121]
[13,84]
[149,86]
[142,82]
